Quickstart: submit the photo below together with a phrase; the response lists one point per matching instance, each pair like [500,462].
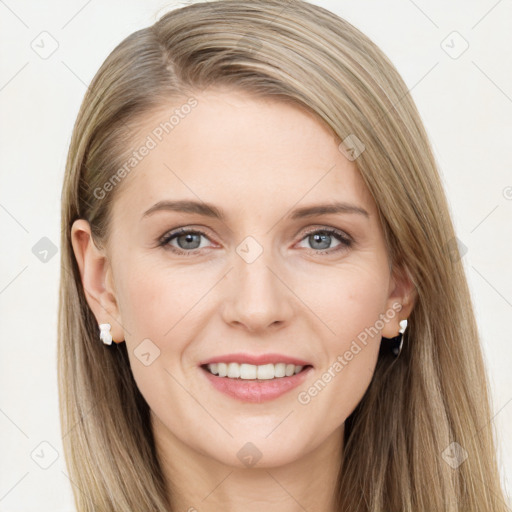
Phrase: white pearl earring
[105,335]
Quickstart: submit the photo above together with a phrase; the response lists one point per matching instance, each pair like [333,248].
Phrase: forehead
[241,152]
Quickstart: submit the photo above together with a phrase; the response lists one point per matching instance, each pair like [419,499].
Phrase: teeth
[250,371]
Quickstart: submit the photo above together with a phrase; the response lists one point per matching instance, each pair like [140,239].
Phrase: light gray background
[466,105]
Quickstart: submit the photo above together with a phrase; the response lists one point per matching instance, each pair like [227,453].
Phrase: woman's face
[263,277]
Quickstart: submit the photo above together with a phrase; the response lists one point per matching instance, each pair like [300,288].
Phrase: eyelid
[340,232]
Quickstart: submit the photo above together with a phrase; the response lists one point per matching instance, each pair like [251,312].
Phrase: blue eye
[324,237]
[189,241]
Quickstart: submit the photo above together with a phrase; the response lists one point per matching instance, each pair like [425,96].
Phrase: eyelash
[346,242]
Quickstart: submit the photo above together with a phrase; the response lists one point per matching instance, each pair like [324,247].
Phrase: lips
[257,391]
[256,360]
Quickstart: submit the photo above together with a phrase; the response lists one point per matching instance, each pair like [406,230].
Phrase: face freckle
[256,162]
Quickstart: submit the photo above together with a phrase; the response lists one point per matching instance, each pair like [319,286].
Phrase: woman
[261,305]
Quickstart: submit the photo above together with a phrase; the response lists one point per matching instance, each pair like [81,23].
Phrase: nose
[258,298]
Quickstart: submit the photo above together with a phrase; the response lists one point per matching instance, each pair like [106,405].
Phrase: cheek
[155,305]
[346,299]
[349,304]
[162,308]
[154,299]
[150,307]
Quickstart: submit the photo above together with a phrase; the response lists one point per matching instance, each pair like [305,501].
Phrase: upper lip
[256,360]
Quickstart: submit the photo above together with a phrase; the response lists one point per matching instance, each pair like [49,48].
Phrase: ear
[97,281]
[401,291]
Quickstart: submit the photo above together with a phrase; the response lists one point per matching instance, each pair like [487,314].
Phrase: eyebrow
[209,210]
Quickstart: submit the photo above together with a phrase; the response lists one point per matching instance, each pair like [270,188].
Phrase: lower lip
[256,391]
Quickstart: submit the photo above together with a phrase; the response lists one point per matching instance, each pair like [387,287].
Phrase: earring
[395,344]
[396,350]
[105,335]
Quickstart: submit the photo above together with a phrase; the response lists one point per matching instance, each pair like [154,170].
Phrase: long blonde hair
[435,394]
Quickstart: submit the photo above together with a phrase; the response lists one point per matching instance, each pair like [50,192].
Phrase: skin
[257,160]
